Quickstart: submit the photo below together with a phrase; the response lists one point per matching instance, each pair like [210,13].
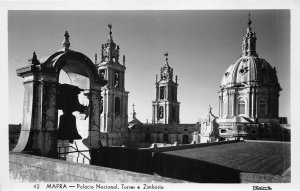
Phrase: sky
[201,46]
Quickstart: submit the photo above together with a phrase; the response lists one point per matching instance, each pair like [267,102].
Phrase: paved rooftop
[272,158]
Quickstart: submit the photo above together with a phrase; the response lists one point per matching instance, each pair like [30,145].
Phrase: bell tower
[114,118]
[166,107]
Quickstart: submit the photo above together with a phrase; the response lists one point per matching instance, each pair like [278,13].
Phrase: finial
[66,42]
[34,60]
[95,58]
[123,60]
[156,78]
[110,26]
[209,108]
[166,54]
[176,78]
[34,56]
[249,21]
[133,112]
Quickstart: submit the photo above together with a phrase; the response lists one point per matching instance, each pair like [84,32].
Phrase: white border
[293,5]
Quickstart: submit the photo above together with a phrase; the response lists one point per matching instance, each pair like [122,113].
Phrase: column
[39,126]
[93,140]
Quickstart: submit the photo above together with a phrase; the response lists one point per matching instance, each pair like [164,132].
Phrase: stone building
[165,128]
[114,118]
[249,94]
[166,107]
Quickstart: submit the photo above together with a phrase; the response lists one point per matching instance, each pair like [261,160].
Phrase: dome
[249,70]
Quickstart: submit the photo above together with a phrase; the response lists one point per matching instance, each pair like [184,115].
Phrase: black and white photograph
[150,97]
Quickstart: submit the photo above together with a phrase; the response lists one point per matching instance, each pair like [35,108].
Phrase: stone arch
[40,115]
[76,62]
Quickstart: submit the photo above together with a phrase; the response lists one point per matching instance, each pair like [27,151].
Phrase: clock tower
[166,107]
[114,118]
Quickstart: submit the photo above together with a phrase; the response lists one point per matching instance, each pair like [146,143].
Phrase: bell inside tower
[73,117]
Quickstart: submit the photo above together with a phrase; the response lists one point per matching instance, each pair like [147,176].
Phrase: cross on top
[110,26]
[166,54]
[249,20]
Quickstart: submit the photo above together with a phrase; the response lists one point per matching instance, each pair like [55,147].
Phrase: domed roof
[249,70]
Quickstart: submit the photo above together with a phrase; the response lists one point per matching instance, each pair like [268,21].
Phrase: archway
[185,139]
[40,117]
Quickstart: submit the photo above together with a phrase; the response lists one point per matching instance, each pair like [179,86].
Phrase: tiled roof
[272,158]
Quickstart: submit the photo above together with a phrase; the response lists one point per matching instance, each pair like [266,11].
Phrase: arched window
[117,79]
[241,107]
[117,106]
[262,107]
[162,92]
[185,139]
[165,138]
[161,112]
[173,113]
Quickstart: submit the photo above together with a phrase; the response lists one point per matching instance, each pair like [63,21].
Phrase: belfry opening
[62,104]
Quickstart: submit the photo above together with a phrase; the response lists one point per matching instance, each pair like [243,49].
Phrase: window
[165,138]
[262,109]
[117,106]
[161,112]
[117,79]
[241,107]
[162,93]
[185,139]
[102,73]
[173,93]
[173,113]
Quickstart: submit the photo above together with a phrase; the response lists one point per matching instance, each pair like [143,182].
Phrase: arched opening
[185,139]
[165,138]
[161,112]
[241,107]
[117,106]
[262,107]
[147,138]
[173,113]
[76,74]
[162,92]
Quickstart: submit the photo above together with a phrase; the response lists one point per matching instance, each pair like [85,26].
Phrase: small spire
[34,56]
[166,54]
[110,26]
[209,108]
[95,58]
[176,78]
[34,60]
[249,21]
[123,60]
[249,41]
[209,112]
[133,112]
[66,42]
